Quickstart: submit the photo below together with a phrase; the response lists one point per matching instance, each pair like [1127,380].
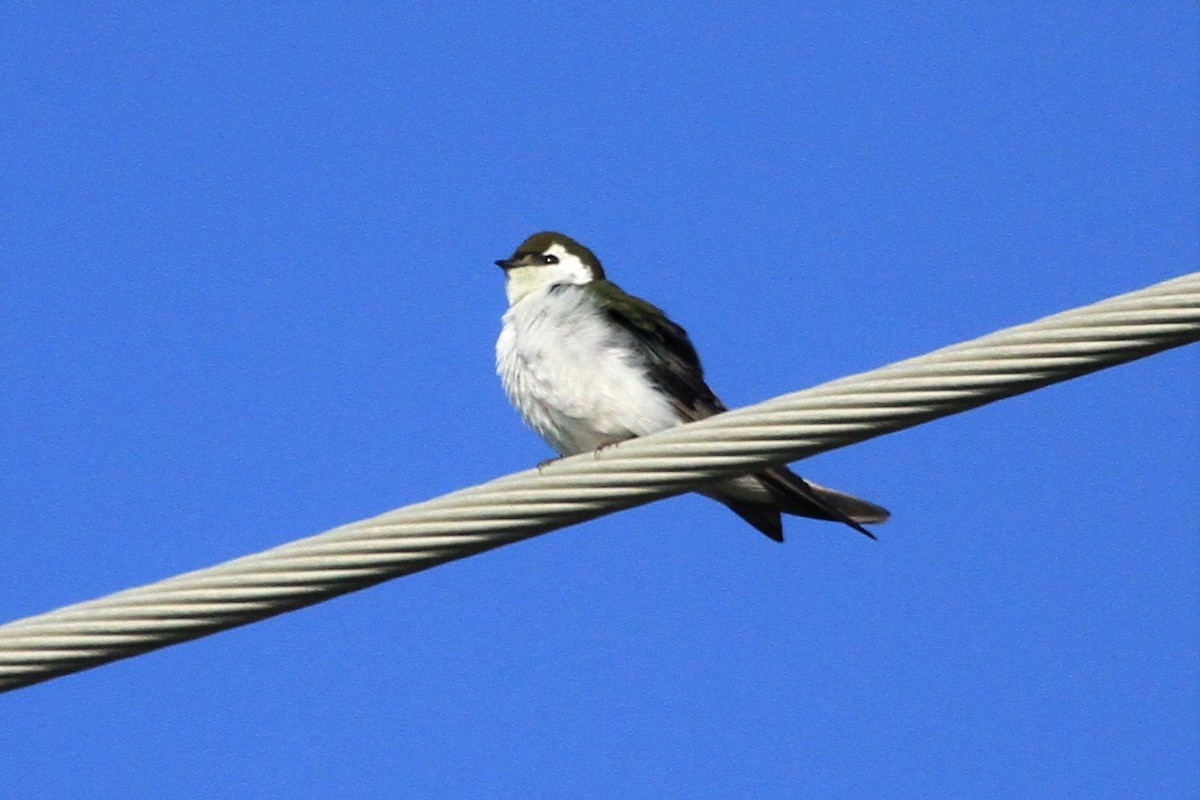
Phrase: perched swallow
[588,365]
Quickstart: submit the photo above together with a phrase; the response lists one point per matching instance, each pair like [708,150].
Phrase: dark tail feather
[766,518]
[798,496]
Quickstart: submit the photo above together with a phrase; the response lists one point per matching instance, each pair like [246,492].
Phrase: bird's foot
[605,446]
[595,454]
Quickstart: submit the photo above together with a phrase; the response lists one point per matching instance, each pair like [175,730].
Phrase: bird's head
[546,259]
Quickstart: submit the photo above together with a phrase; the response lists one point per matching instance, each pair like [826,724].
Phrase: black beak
[504,263]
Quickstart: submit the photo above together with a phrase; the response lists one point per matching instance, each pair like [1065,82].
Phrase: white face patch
[523,281]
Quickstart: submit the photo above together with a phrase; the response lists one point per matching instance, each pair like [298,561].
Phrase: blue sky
[248,294]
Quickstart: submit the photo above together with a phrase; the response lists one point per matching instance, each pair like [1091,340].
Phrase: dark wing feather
[671,361]
[797,496]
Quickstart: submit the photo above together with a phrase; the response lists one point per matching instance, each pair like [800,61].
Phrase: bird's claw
[604,446]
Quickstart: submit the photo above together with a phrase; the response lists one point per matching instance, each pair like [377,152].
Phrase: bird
[587,365]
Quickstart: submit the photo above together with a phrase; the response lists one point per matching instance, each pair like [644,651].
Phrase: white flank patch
[572,374]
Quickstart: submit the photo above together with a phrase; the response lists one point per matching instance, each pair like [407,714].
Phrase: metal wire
[519,506]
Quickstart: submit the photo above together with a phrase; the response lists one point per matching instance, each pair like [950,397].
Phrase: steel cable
[525,504]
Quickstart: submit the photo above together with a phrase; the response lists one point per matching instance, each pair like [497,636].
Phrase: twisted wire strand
[525,504]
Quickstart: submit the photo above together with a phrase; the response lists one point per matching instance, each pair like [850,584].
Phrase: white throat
[523,281]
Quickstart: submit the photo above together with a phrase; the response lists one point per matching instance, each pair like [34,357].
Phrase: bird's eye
[549,259]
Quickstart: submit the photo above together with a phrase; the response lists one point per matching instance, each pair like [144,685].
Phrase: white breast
[573,376]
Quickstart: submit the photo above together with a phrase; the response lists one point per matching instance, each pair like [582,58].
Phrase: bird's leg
[595,453]
[543,464]
[605,446]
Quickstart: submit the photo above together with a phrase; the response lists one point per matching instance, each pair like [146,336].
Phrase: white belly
[573,377]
